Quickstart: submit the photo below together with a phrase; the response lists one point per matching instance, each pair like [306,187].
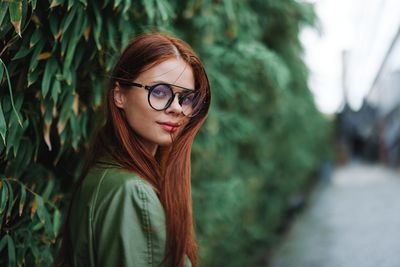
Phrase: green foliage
[261,144]
[264,138]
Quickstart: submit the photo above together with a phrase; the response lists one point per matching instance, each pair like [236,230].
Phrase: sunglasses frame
[150,88]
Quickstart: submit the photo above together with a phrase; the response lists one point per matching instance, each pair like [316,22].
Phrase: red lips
[169,126]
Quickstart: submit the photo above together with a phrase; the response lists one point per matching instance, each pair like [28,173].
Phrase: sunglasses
[161,96]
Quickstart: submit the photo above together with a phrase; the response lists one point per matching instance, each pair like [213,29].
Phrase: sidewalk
[354,221]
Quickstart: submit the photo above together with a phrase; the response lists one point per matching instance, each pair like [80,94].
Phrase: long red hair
[169,170]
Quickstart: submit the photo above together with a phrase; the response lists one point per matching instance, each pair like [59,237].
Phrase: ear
[119,97]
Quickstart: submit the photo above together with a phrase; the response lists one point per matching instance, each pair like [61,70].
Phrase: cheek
[138,116]
[137,110]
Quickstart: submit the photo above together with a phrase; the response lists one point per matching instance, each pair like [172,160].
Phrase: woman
[132,206]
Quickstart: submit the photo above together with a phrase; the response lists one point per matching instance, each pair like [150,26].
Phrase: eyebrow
[156,82]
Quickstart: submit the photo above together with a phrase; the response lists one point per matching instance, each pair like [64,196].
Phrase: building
[373,66]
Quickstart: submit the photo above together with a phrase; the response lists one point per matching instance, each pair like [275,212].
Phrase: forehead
[174,71]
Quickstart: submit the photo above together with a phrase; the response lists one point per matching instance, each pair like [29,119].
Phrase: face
[156,127]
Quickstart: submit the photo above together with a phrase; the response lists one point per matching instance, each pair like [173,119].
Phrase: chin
[165,141]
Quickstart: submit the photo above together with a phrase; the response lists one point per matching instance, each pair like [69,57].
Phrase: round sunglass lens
[190,104]
[159,96]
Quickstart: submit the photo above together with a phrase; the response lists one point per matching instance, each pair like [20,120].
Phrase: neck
[150,147]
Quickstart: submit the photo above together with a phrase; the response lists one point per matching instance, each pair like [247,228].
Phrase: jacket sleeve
[129,227]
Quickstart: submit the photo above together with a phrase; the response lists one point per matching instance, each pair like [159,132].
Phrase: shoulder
[114,188]
[119,216]
[121,194]
[126,182]
[108,181]
[112,176]
[126,219]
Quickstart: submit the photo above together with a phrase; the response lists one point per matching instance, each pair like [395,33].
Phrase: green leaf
[54,24]
[79,52]
[55,90]
[149,8]
[1,72]
[39,225]
[50,69]
[4,196]
[11,252]
[65,112]
[3,242]
[48,118]
[63,136]
[15,135]
[97,27]
[67,75]
[33,4]
[111,34]
[43,215]
[10,91]
[3,125]
[117,3]
[37,136]
[3,11]
[10,201]
[229,9]
[35,56]
[65,39]
[34,249]
[80,24]
[36,36]
[40,208]
[111,62]
[71,3]
[56,222]
[13,130]
[55,3]
[15,9]
[75,131]
[32,77]
[165,9]
[127,5]
[22,199]
[22,52]
[70,16]
[125,35]
[48,190]
[83,121]
[96,34]
[70,53]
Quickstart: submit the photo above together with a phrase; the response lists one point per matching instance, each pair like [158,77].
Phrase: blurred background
[354,74]
[352,215]
[297,164]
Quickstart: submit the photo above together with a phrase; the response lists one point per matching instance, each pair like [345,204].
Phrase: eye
[186,98]
[161,91]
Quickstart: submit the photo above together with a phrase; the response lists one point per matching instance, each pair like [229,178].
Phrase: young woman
[132,206]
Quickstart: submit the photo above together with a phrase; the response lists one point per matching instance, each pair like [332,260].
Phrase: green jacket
[116,220]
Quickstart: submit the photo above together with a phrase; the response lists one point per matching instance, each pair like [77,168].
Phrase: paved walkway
[354,221]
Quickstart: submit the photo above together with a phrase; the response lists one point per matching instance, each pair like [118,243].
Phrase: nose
[174,107]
